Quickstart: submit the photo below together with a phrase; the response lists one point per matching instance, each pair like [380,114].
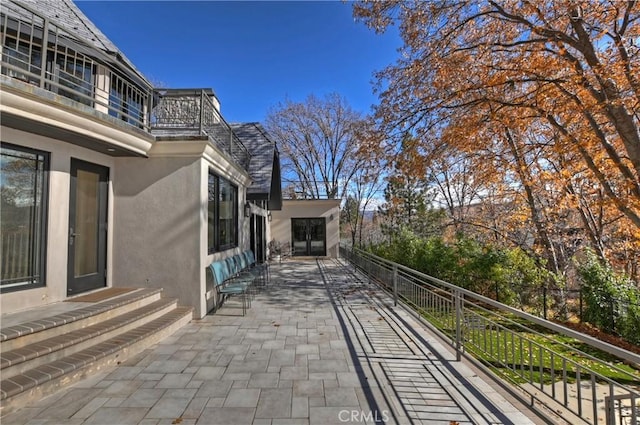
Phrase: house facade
[307,228]
[109,182]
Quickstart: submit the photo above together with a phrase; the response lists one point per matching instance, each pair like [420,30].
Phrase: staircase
[41,356]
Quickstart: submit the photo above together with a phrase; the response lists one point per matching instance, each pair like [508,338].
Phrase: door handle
[72,235]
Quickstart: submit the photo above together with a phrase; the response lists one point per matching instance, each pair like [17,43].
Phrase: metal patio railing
[538,357]
[194,111]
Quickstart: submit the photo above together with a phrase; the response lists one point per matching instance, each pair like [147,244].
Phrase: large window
[223,214]
[23,187]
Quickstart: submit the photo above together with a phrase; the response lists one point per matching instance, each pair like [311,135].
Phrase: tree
[407,195]
[543,95]
[365,186]
[318,142]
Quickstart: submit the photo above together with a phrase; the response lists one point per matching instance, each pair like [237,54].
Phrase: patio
[318,346]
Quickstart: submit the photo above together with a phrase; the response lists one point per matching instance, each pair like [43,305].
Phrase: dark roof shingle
[264,167]
[66,15]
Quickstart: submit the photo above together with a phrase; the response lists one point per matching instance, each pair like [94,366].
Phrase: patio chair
[240,272]
[262,268]
[249,269]
[225,284]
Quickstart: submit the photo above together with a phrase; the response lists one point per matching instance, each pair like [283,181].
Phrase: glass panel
[299,236]
[22,55]
[211,210]
[75,72]
[22,185]
[125,102]
[226,213]
[87,223]
[317,230]
[222,208]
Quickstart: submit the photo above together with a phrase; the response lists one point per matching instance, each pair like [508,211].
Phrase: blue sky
[252,54]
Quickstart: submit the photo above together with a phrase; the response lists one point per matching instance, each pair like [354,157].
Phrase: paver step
[21,359]
[45,379]
[13,337]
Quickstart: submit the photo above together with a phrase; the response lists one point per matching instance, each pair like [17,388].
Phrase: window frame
[126,101]
[41,256]
[214,242]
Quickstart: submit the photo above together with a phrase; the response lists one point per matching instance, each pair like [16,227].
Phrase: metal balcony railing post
[395,284]
[43,59]
[457,300]
[147,116]
[201,109]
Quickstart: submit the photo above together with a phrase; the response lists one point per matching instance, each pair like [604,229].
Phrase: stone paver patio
[318,346]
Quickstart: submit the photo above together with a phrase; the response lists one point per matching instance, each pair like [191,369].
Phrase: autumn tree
[317,139]
[545,93]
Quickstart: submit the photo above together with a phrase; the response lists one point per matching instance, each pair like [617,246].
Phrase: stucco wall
[157,227]
[57,218]
[160,234]
[307,208]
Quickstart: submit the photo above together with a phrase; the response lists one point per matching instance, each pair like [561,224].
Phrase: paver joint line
[319,344]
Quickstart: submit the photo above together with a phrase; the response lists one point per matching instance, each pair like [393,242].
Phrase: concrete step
[21,335]
[41,356]
[24,388]
[18,361]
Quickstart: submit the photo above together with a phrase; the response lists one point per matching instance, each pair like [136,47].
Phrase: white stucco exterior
[329,209]
[162,239]
[158,166]
[57,217]
[156,212]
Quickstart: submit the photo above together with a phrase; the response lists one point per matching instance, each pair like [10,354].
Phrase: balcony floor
[318,346]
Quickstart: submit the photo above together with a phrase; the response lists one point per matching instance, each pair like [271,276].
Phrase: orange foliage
[543,98]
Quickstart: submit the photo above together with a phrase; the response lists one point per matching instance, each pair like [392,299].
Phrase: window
[223,214]
[24,56]
[72,71]
[23,187]
[126,101]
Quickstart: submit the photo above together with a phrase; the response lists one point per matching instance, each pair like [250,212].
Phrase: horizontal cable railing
[194,112]
[553,365]
[43,53]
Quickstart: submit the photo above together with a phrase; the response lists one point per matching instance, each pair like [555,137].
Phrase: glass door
[86,268]
[317,229]
[308,236]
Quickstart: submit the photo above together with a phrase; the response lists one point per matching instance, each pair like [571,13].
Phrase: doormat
[100,295]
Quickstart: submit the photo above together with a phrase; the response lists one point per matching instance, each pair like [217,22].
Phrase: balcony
[195,112]
[42,57]
[42,53]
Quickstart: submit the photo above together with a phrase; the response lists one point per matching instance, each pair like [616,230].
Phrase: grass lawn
[525,352]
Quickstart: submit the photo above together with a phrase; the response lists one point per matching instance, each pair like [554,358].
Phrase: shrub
[509,275]
[612,300]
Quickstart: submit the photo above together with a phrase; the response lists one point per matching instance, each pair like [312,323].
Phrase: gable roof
[264,167]
[66,15]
